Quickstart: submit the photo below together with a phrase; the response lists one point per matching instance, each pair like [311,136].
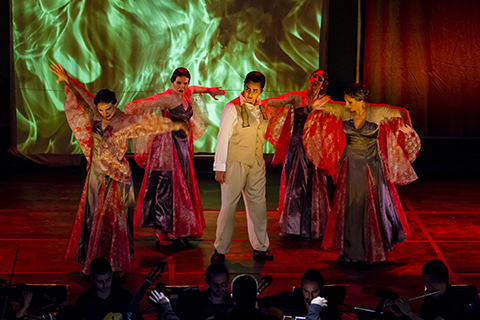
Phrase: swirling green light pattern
[132,47]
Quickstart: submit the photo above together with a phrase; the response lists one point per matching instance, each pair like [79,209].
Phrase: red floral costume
[367,217]
[303,200]
[104,223]
[169,198]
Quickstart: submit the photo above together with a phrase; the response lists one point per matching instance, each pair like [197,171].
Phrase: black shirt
[293,304]
[243,314]
[95,308]
[197,306]
[449,306]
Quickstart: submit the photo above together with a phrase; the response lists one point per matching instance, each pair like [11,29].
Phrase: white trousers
[249,181]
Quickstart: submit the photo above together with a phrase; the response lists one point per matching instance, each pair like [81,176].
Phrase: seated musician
[160,301]
[446,304]
[245,297]
[297,303]
[214,301]
[10,311]
[100,300]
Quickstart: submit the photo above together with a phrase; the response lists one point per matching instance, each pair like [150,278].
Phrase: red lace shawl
[81,111]
[280,121]
[155,152]
[324,140]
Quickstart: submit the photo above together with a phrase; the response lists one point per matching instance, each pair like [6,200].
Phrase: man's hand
[158,297]
[404,306]
[320,301]
[27,298]
[220,176]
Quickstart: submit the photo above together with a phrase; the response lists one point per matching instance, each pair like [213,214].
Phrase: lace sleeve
[296,99]
[280,121]
[199,121]
[397,151]
[152,105]
[324,141]
[114,141]
[79,116]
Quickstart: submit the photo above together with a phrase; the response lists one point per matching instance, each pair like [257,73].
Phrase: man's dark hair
[244,291]
[100,266]
[313,275]
[215,268]
[105,96]
[180,72]
[436,268]
[255,77]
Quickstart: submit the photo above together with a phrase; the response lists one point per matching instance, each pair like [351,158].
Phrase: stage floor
[38,207]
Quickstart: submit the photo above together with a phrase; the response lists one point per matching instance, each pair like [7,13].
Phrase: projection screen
[132,48]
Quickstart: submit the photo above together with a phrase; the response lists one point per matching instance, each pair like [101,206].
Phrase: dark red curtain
[424,55]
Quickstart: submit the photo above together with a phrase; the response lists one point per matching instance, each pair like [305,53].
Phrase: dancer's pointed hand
[59,71]
[216,91]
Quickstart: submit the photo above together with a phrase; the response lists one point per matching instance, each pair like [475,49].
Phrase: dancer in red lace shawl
[104,223]
[367,149]
[169,200]
[303,201]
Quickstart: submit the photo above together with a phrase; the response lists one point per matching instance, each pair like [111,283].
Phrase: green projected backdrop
[132,48]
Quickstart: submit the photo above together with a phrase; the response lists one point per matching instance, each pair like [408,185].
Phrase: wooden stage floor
[38,207]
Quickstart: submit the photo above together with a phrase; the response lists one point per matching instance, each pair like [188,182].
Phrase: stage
[38,207]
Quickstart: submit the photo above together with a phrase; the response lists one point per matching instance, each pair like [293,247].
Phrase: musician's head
[244,291]
[312,285]
[435,277]
[102,276]
[217,279]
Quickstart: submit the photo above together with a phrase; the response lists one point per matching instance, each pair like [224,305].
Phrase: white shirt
[228,120]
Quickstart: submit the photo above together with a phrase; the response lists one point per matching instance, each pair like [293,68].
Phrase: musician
[445,305]
[316,307]
[215,301]
[297,303]
[162,302]
[98,301]
[10,311]
[245,296]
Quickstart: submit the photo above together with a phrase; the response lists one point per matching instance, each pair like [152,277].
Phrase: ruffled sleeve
[153,105]
[324,139]
[280,121]
[114,142]
[154,152]
[199,121]
[79,110]
[157,104]
[397,150]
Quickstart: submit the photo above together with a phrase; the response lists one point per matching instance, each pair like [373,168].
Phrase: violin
[391,304]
